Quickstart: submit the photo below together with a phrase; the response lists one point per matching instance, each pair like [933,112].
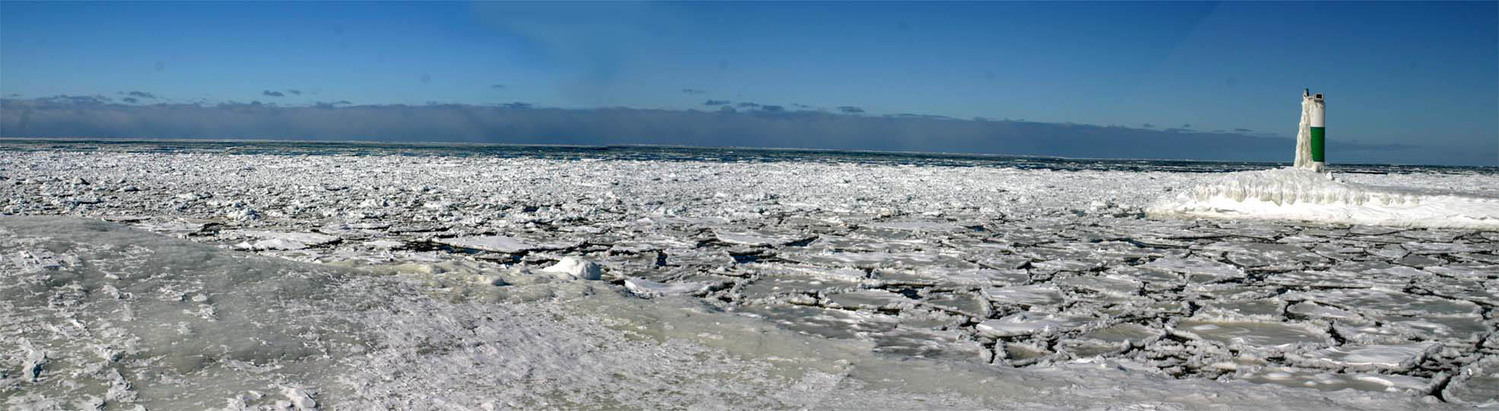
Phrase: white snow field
[196,280]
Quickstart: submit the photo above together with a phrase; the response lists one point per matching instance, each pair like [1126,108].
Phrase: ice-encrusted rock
[574,268]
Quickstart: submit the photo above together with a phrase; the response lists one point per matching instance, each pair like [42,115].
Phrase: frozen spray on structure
[1311,138]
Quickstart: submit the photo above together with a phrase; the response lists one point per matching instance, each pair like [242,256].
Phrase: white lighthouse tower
[1311,139]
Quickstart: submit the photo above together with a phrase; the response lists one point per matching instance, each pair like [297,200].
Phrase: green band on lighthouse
[1318,136]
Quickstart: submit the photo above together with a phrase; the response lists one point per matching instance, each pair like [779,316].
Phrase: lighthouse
[1311,139]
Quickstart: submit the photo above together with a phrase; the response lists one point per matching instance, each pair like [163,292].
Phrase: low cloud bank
[523,124]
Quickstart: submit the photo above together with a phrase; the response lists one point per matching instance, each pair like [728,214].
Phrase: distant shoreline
[1353,167]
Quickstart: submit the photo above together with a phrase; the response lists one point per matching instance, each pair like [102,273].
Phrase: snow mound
[575,268]
[1303,195]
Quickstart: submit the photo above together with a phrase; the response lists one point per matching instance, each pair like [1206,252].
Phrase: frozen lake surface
[247,275]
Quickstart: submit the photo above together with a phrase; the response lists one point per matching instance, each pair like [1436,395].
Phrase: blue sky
[1406,73]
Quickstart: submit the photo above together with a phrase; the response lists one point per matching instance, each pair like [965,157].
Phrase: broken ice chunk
[644,288]
[575,268]
[1052,266]
[824,322]
[1027,323]
[917,226]
[1040,294]
[1197,269]
[769,286]
[1266,254]
[1394,357]
[1111,284]
[919,343]
[1465,328]
[502,244]
[1363,331]
[243,214]
[1132,333]
[903,277]
[1079,348]
[1292,377]
[296,399]
[1260,309]
[1388,300]
[1251,334]
[836,274]
[698,257]
[916,260]
[1477,384]
[973,276]
[499,244]
[961,303]
[1021,354]
[1319,311]
[383,244]
[176,228]
[760,238]
[270,240]
[1446,247]
[870,300]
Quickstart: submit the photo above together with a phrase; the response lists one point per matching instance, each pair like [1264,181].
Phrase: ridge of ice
[1304,195]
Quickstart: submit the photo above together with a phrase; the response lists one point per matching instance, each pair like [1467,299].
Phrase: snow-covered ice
[574,268]
[473,281]
[1304,195]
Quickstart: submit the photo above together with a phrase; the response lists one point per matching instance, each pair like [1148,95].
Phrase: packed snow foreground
[1305,195]
[200,280]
